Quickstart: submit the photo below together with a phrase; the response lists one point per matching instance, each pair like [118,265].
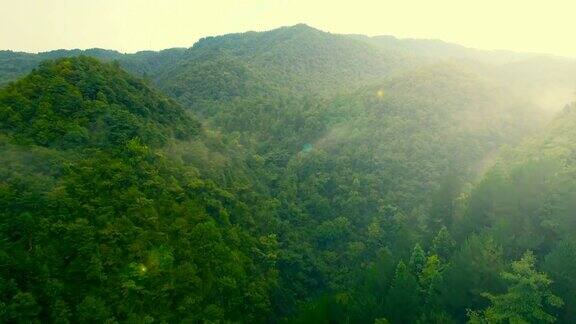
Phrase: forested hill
[302,58]
[80,102]
[17,64]
[282,55]
[291,175]
[99,225]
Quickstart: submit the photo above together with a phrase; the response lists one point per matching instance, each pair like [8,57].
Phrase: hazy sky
[131,25]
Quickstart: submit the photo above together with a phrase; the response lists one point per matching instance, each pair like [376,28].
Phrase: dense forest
[288,176]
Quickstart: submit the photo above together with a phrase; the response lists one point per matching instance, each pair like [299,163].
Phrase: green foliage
[74,103]
[315,172]
[474,268]
[403,299]
[443,244]
[526,298]
[560,265]
[431,280]
[417,260]
[108,228]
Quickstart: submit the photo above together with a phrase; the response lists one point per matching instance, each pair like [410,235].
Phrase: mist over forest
[288,176]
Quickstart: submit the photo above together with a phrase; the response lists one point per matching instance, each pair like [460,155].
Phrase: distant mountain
[285,54]
[436,49]
[548,80]
[303,59]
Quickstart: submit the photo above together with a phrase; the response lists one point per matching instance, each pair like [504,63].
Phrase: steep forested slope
[527,202]
[98,224]
[385,172]
[367,175]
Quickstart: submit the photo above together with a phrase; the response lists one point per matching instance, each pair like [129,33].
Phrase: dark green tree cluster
[99,225]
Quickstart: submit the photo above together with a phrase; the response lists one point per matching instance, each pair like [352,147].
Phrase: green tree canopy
[527,298]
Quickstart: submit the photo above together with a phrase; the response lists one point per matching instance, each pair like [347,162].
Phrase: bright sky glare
[132,25]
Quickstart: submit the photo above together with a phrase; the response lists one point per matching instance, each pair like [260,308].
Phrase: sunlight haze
[133,25]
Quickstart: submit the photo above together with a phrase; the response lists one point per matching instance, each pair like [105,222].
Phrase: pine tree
[417,260]
[443,244]
[525,300]
[430,281]
[403,299]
